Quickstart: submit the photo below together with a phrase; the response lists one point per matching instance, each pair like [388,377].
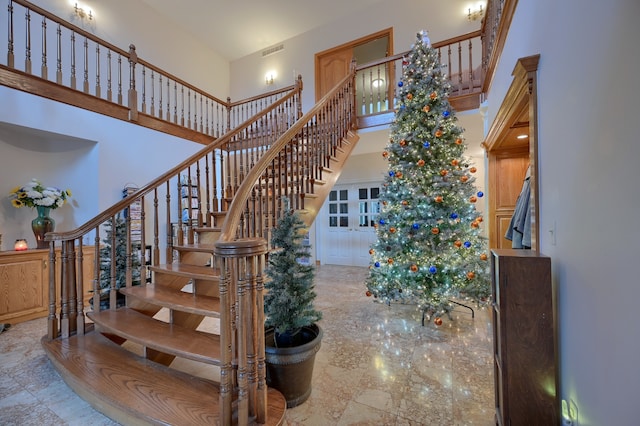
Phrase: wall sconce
[378,82]
[20,245]
[269,78]
[82,13]
[474,15]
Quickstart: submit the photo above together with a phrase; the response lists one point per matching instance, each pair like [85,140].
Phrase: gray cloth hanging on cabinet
[519,232]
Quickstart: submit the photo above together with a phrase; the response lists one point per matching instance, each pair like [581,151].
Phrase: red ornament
[426,108]
[454,162]
[458,243]
[390,261]
[475,224]
[385,154]
[403,142]
[443,172]
[438,133]
[471,275]
[458,141]
[371,251]
[433,95]
[421,162]
[473,199]
[483,256]
[414,268]
[368,293]
[473,170]
[464,178]
[399,175]
[438,199]
[392,230]
[405,202]
[479,219]
[410,96]
[435,231]
[437,321]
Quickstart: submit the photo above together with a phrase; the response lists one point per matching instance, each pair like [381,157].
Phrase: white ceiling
[238,28]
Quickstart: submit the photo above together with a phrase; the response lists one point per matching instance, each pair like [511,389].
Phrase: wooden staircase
[185,349]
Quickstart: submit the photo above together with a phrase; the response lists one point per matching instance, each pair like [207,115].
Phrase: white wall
[93,155]
[589,152]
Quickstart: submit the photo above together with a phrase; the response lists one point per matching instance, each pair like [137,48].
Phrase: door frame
[346,48]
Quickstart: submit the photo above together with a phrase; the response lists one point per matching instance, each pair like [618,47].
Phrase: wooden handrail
[236,208]
[162,179]
[437,45]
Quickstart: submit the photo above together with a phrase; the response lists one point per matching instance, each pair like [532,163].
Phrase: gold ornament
[473,170]
[385,154]
[368,293]
[403,142]
[458,243]
[473,199]
[433,95]
[414,268]
[458,141]
[438,133]
[437,321]
[471,275]
[435,231]
[392,230]
[464,178]
[371,251]
[438,199]
[390,261]
[399,175]
[410,96]
[421,162]
[443,172]
[426,108]
[483,256]
[454,162]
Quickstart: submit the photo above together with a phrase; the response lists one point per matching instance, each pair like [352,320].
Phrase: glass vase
[41,225]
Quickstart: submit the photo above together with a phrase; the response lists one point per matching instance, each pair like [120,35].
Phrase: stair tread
[196,247]
[131,389]
[158,335]
[175,299]
[199,272]
[153,392]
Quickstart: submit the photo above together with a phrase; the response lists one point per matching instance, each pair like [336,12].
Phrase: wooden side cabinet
[24,283]
[524,339]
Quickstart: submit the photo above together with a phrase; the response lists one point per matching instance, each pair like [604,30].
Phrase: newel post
[133,94]
[241,264]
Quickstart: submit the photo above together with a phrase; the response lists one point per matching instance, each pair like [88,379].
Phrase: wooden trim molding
[521,100]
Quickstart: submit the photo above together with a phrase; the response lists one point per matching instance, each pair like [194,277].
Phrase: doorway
[346,224]
[512,153]
[333,65]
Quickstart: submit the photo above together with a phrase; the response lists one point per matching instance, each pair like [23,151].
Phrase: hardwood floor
[377,366]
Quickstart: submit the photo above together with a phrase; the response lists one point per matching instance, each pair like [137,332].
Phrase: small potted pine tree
[292,335]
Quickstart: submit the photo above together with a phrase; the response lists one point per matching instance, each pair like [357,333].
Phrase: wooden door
[333,65]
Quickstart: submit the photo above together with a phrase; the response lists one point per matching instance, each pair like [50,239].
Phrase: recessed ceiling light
[522,136]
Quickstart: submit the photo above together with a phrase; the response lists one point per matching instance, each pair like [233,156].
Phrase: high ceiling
[238,28]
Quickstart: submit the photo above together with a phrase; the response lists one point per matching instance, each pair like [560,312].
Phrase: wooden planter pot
[290,369]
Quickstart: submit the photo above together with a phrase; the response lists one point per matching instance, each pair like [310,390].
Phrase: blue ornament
[377,264]
[467,244]
[480,194]
[454,215]
[445,114]
[392,173]
[433,269]
[416,226]
[382,222]
[426,144]
[402,107]
[400,84]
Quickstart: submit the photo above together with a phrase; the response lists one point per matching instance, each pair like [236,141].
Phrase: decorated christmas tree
[429,247]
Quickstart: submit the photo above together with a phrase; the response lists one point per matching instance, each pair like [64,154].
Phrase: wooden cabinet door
[22,285]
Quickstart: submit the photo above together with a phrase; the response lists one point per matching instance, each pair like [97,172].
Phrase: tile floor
[377,366]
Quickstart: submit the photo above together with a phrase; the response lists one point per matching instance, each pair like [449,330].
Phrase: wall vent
[272,50]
